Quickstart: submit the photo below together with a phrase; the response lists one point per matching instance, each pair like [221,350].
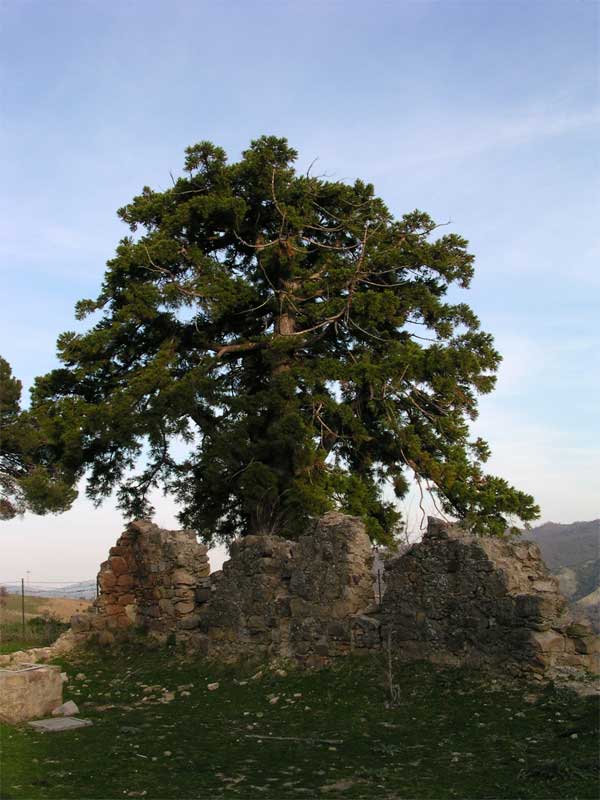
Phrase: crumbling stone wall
[453,598]
[149,581]
[461,599]
[291,599]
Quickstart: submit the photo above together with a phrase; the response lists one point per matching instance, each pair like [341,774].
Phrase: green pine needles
[270,345]
[31,478]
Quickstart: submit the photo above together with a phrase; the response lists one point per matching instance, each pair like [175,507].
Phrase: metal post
[23,605]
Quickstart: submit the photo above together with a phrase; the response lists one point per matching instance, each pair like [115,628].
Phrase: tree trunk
[285,325]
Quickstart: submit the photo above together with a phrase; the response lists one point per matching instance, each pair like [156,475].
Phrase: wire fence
[24,589]
[85,589]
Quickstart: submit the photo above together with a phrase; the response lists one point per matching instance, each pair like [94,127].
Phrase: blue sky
[483,113]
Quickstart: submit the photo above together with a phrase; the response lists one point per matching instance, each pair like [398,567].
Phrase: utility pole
[23,606]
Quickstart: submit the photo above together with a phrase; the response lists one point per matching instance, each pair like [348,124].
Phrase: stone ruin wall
[467,600]
[150,581]
[453,598]
[301,600]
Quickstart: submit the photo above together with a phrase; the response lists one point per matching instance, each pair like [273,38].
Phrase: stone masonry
[454,598]
[461,599]
[290,599]
[149,581]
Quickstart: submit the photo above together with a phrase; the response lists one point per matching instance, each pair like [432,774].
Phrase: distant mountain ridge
[572,553]
[567,545]
[83,590]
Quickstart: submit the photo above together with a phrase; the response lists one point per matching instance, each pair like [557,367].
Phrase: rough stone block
[182,577]
[81,622]
[578,630]
[141,526]
[184,607]
[166,606]
[118,565]
[322,648]
[59,724]
[28,691]
[125,581]
[301,608]
[546,585]
[185,593]
[590,645]
[126,599]
[107,580]
[203,594]
[106,638]
[189,622]
[98,621]
[68,709]
[257,623]
[548,641]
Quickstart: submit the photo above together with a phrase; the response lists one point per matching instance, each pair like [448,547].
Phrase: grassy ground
[42,624]
[329,734]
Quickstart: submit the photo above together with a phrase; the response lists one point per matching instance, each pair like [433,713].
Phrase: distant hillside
[85,590]
[572,553]
[567,545]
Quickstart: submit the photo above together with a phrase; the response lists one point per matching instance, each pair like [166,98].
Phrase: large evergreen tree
[30,476]
[268,345]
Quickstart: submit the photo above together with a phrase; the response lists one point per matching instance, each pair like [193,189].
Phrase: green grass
[451,734]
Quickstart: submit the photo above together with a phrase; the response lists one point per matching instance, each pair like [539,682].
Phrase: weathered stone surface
[125,582]
[81,622]
[166,607]
[106,638]
[184,607]
[118,565]
[203,594]
[276,597]
[107,579]
[68,709]
[180,576]
[148,581]
[59,724]
[28,691]
[548,641]
[480,601]
[126,599]
[453,599]
[189,622]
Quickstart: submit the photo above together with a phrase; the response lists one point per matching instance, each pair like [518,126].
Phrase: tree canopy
[27,480]
[268,345]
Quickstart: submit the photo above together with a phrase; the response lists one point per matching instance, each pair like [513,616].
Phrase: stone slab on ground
[59,724]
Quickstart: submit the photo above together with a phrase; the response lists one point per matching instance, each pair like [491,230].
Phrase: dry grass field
[60,608]
[45,619]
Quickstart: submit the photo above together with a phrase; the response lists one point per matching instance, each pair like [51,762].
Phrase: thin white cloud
[480,136]
[431,137]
